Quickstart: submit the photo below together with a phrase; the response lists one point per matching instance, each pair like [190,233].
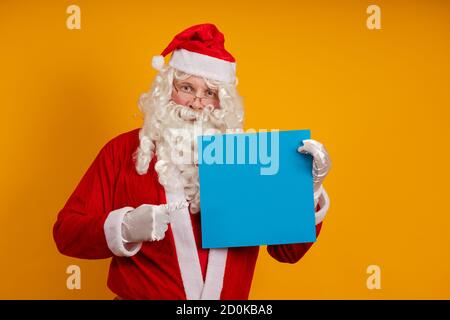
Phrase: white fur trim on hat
[204,66]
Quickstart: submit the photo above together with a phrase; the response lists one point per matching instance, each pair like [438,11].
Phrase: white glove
[321,164]
[145,223]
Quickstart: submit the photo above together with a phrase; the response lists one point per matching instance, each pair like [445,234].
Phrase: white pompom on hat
[158,62]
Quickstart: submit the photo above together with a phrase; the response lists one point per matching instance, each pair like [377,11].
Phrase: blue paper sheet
[255,189]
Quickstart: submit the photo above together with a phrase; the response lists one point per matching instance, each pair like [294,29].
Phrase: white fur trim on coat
[324,202]
[186,248]
[113,234]
[217,260]
[191,273]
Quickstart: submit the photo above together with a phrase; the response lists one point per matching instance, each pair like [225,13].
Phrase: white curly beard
[176,146]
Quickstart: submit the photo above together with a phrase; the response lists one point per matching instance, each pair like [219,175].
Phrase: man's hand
[145,223]
[321,161]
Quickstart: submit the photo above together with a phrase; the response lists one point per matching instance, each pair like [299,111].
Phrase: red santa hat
[199,50]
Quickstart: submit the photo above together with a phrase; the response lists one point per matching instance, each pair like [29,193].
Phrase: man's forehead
[194,81]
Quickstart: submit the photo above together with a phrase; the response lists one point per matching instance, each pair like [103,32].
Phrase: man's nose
[196,104]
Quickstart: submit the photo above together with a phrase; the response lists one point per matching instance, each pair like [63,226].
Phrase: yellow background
[377,99]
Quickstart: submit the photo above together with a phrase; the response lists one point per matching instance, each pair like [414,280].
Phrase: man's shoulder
[126,140]
[132,135]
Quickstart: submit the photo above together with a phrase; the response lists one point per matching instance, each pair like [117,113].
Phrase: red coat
[111,183]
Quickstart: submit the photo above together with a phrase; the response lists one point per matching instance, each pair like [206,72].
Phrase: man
[140,207]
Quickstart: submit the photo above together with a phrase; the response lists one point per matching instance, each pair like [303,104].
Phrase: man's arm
[80,227]
[292,253]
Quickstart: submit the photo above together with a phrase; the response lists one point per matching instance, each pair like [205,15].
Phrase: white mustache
[206,114]
[189,114]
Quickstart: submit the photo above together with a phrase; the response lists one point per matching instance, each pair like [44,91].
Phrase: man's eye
[210,93]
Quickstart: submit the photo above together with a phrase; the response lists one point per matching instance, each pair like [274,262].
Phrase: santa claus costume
[126,174]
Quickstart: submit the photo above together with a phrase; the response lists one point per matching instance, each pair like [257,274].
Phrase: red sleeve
[78,231]
[291,253]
